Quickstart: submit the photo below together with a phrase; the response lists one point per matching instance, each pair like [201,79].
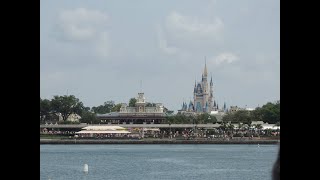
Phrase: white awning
[151,129]
[103,128]
[271,127]
[102,132]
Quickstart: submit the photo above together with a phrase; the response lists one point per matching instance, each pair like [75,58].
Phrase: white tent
[102,132]
[104,128]
[270,126]
[151,129]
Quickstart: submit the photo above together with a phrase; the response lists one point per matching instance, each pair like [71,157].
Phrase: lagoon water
[148,162]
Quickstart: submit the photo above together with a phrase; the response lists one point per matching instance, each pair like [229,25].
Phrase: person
[276,168]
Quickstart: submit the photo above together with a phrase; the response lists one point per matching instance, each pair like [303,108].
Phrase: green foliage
[269,113]
[89,117]
[151,104]
[258,126]
[169,112]
[68,122]
[178,119]
[66,105]
[242,116]
[116,108]
[205,118]
[212,119]
[132,102]
[103,109]
[183,119]
[229,117]
[45,109]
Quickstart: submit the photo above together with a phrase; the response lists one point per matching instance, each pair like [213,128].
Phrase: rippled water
[147,162]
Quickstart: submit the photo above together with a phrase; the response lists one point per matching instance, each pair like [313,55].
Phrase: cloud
[224,58]
[181,34]
[162,42]
[81,24]
[85,31]
[186,27]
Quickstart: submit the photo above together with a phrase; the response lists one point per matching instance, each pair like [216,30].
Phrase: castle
[203,99]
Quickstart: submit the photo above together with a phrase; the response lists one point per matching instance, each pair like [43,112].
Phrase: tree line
[67,105]
[268,113]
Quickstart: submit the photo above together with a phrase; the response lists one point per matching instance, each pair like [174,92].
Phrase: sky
[102,50]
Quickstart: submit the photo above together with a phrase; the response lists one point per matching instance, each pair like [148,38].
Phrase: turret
[191,108]
[205,73]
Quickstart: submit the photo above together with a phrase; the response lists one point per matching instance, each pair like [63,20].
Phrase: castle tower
[203,93]
[211,95]
[205,100]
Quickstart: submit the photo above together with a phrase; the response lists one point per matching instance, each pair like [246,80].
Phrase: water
[148,162]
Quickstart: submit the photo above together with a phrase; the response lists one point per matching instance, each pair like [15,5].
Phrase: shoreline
[162,141]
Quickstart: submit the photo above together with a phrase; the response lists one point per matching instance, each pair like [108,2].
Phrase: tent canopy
[102,132]
[102,128]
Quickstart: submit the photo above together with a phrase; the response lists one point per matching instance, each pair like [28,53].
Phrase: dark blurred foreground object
[276,168]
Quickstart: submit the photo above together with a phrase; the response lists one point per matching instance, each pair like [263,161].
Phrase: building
[234,109]
[142,112]
[203,97]
[72,117]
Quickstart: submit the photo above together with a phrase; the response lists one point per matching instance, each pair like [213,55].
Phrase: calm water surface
[147,162]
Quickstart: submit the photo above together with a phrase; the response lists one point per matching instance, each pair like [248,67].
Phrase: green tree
[103,109]
[211,119]
[132,102]
[89,117]
[45,109]
[259,127]
[242,116]
[151,104]
[66,105]
[169,112]
[230,129]
[177,119]
[229,117]
[256,115]
[271,112]
[116,108]
[224,126]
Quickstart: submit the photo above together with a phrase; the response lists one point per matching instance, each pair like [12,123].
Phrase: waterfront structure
[102,131]
[142,112]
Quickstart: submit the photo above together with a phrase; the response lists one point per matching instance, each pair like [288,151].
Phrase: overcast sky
[100,50]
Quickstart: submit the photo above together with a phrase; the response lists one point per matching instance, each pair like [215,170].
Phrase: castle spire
[205,73]
[211,80]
